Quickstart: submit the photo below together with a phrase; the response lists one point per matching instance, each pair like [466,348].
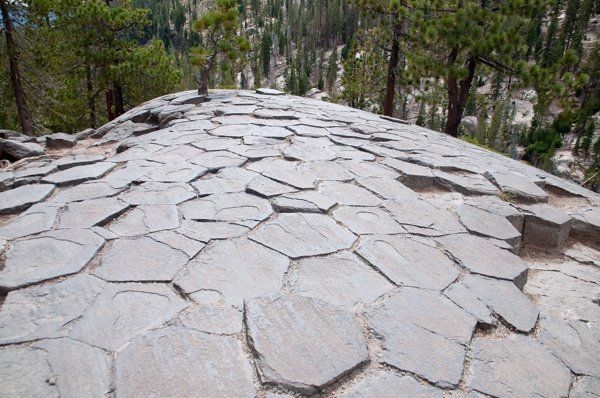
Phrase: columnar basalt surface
[255,244]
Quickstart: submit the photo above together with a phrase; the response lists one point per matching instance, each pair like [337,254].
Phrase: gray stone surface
[376,258]
[236,269]
[516,366]
[60,141]
[47,256]
[409,262]
[322,342]
[300,235]
[341,279]
[123,311]
[387,384]
[180,362]
[79,174]
[20,150]
[20,198]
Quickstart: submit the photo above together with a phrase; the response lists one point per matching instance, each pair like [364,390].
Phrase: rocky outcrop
[258,244]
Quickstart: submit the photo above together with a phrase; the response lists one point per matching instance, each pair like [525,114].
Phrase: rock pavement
[262,245]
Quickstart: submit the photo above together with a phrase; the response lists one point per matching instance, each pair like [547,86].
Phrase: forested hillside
[521,77]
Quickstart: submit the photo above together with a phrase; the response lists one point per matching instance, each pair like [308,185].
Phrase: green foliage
[541,145]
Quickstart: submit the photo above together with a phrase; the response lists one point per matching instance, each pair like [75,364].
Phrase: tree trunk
[119,104]
[91,103]
[458,93]
[109,104]
[203,82]
[15,73]
[388,103]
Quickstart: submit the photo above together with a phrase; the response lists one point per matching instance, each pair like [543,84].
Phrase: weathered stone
[465,183]
[516,366]
[158,193]
[484,223]
[225,181]
[16,150]
[213,318]
[562,296]
[299,235]
[322,342]
[26,373]
[269,91]
[340,279]
[79,174]
[238,269]
[387,384]
[38,218]
[91,212]
[412,175]
[285,172]
[480,256]
[47,256]
[207,231]
[180,362]
[240,208]
[348,194]
[387,188]
[60,141]
[145,219]
[175,172]
[141,259]
[304,201]
[20,198]
[87,191]
[408,334]
[484,297]
[267,188]
[409,262]
[518,186]
[367,220]
[46,311]
[583,254]
[545,225]
[123,311]
[573,343]
[79,369]
[586,222]
[420,217]
[76,160]
[497,206]
[586,387]
[217,160]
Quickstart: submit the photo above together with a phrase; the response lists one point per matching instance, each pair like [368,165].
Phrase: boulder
[60,141]
[19,150]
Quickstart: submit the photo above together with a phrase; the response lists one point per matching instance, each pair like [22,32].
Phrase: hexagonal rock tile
[340,279]
[237,269]
[423,218]
[387,384]
[158,193]
[20,198]
[408,261]
[586,222]
[322,342]
[414,324]
[367,220]
[123,311]
[303,201]
[285,172]
[79,174]
[481,222]
[574,343]
[86,191]
[562,296]
[517,185]
[76,160]
[585,387]
[348,194]
[91,212]
[300,234]
[179,241]
[79,370]
[38,218]
[146,219]
[516,366]
[45,311]
[545,225]
[47,256]
[227,180]
[412,175]
[387,188]
[465,183]
[497,206]
[265,187]
[141,259]
[175,172]
[240,208]
[483,297]
[174,361]
[217,160]
[206,231]
[480,256]
[210,317]
[26,373]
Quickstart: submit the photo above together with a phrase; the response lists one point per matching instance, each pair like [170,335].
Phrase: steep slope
[260,244]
